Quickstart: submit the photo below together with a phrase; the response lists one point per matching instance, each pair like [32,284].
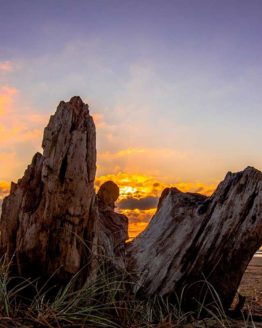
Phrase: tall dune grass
[106,302]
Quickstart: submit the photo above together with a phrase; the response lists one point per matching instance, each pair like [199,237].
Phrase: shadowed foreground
[251,286]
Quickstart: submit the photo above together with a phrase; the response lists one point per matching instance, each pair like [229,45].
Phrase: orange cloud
[4,189]
[141,185]
[21,132]
[134,160]
[6,66]
[99,120]
[196,187]
[152,152]
[17,123]
[138,220]
[10,166]
[133,185]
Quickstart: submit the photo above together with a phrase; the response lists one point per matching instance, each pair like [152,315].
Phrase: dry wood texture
[52,221]
[193,238]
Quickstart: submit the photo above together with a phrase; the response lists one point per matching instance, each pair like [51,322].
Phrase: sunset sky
[175,88]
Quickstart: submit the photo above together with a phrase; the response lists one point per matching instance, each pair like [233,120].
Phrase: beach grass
[106,302]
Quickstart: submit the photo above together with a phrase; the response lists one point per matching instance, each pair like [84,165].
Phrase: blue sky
[175,82]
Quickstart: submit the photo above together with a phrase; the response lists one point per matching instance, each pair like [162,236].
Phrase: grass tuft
[106,302]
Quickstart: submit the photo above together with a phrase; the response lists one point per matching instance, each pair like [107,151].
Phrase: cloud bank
[146,203]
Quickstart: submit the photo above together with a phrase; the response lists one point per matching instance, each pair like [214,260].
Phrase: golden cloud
[138,220]
[153,161]
[18,124]
[196,187]
[4,189]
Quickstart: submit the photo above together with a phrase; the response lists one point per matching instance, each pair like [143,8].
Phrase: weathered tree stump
[52,222]
[193,238]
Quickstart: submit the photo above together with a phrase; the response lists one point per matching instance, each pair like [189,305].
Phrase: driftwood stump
[51,221]
[192,238]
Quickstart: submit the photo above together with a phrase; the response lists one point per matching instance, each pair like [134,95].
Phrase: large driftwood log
[52,221]
[192,238]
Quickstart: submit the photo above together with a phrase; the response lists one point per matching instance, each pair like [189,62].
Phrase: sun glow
[139,194]
[127,190]
[4,187]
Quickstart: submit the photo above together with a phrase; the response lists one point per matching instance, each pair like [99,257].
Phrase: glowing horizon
[139,195]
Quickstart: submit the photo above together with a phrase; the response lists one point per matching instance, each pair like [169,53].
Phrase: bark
[45,218]
[193,239]
[110,231]
[52,221]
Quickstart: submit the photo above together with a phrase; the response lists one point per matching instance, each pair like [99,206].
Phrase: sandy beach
[251,286]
